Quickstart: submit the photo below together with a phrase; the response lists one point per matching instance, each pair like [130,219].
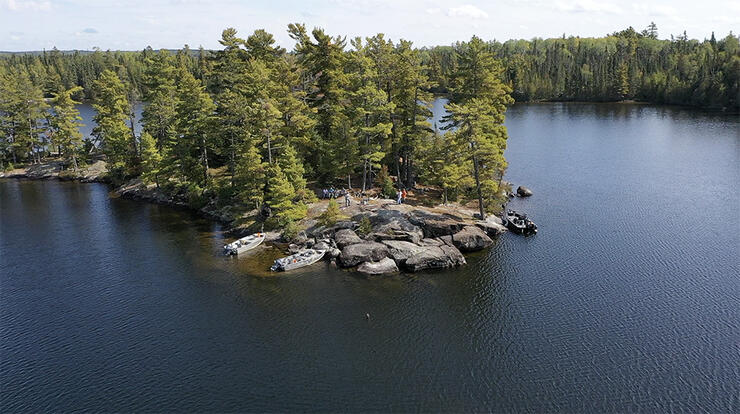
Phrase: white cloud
[18,5]
[657,10]
[467,10]
[586,6]
[435,10]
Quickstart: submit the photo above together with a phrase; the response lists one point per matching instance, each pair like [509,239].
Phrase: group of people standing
[329,193]
[401,196]
[334,193]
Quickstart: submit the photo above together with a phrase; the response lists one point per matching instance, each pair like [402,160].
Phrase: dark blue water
[627,300]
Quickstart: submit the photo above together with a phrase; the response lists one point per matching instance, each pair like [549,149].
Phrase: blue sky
[135,24]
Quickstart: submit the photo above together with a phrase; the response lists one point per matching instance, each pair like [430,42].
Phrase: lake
[626,300]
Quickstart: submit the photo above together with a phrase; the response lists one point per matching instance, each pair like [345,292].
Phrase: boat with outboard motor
[519,223]
[300,259]
[244,244]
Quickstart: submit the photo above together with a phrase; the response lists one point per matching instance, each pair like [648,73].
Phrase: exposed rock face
[491,228]
[393,225]
[471,239]
[400,250]
[378,268]
[435,257]
[334,252]
[345,224]
[355,254]
[436,225]
[345,237]
[523,191]
[322,245]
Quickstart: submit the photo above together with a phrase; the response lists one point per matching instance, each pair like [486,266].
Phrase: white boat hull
[244,244]
[298,260]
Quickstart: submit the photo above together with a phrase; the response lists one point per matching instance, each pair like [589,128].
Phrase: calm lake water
[627,300]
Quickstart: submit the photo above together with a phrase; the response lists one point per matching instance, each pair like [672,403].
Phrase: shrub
[290,231]
[386,183]
[365,227]
[332,214]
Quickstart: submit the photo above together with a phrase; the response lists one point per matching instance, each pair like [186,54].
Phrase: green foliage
[331,215]
[64,125]
[477,110]
[281,198]
[623,65]
[114,136]
[150,159]
[290,230]
[385,182]
[22,117]
[365,227]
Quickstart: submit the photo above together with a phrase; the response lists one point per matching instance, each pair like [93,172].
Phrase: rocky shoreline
[400,237]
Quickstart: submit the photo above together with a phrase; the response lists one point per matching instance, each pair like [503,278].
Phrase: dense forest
[253,126]
[624,65]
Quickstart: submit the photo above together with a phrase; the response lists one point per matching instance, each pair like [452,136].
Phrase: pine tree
[371,112]
[65,125]
[323,60]
[249,176]
[112,107]
[150,159]
[477,110]
[193,128]
[158,116]
[280,199]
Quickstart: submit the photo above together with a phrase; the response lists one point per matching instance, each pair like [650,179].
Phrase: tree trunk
[232,160]
[132,119]
[477,185]
[205,160]
[398,171]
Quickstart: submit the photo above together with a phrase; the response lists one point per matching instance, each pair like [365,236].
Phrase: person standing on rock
[398,197]
[403,195]
[347,199]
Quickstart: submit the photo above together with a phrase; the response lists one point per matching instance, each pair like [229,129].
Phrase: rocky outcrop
[435,257]
[523,191]
[393,225]
[346,237]
[380,267]
[491,228]
[471,239]
[355,254]
[400,250]
[436,225]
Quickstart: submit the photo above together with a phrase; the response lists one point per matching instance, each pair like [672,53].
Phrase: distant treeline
[624,65]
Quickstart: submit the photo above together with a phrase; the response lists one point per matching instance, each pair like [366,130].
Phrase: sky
[135,24]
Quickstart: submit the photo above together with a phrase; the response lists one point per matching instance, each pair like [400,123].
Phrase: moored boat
[519,223]
[300,259]
[244,244]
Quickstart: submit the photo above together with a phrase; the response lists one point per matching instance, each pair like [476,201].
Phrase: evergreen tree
[281,198]
[158,116]
[477,110]
[111,106]
[250,177]
[193,130]
[150,159]
[65,125]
